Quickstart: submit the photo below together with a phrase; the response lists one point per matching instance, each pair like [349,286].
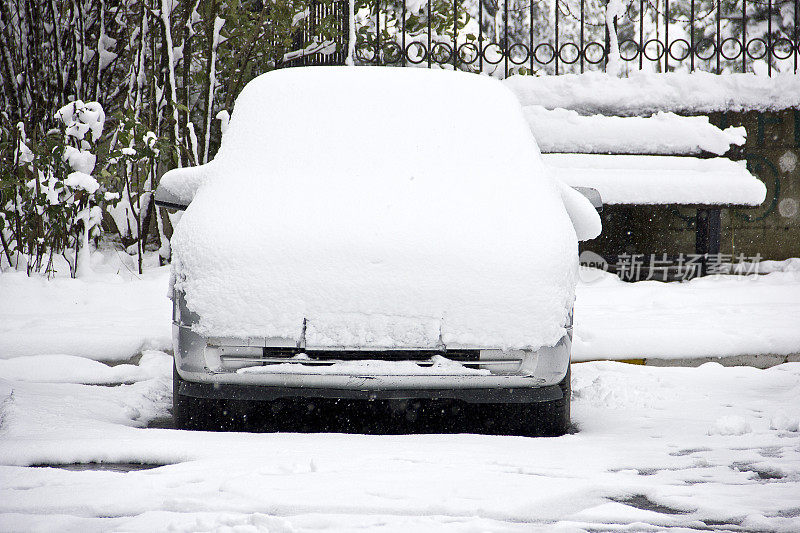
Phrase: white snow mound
[659,179]
[380,206]
[650,92]
[563,130]
[784,422]
[730,425]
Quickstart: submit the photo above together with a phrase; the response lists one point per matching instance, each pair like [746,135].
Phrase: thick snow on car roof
[384,207]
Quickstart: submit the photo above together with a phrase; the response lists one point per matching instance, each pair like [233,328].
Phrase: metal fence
[503,37]
[338,13]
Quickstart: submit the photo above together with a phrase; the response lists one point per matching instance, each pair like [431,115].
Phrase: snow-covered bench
[661,160]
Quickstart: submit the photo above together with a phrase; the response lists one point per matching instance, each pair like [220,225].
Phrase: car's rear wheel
[216,414]
[551,419]
[189,412]
[539,419]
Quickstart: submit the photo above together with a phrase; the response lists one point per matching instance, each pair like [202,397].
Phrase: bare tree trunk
[170,59]
[100,49]
[6,248]
[80,48]
[58,54]
[208,85]
[9,73]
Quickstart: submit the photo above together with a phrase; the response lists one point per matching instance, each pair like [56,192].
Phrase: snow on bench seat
[563,130]
[660,180]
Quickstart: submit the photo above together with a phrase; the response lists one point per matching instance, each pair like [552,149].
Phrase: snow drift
[377,205]
[562,130]
[644,93]
[653,180]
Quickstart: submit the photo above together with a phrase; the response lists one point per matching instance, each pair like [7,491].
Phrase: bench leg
[707,236]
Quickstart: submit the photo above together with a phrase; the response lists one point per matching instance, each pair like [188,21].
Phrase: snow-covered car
[379,234]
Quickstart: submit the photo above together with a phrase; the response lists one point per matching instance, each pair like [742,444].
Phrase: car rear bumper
[534,379]
[470,395]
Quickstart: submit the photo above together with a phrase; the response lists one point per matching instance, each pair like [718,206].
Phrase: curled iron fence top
[503,37]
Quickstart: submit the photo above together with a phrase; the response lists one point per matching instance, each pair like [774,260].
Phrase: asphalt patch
[101,467]
[640,501]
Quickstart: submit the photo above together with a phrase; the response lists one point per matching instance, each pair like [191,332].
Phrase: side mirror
[164,197]
[593,195]
[582,207]
[177,188]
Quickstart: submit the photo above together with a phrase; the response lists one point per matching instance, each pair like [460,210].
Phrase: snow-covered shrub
[53,203]
[83,126]
[132,168]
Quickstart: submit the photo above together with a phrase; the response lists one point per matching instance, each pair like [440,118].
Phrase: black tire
[539,419]
[212,414]
[194,413]
[551,419]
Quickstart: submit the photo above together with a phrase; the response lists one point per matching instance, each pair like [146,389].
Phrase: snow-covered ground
[112,315]
[115,314]
[713,316]
[708,448]
[697,448]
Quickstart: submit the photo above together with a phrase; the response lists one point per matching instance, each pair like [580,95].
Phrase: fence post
[377,55]
[666,36]
[691,37]
[505,35]
[555,49]
[719,36]
[641,34]
[582,37]
[429,54]
[530,34]
[769,37]
[744,36]
[607,49]
[455,34]
[480,36]
[403,34]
